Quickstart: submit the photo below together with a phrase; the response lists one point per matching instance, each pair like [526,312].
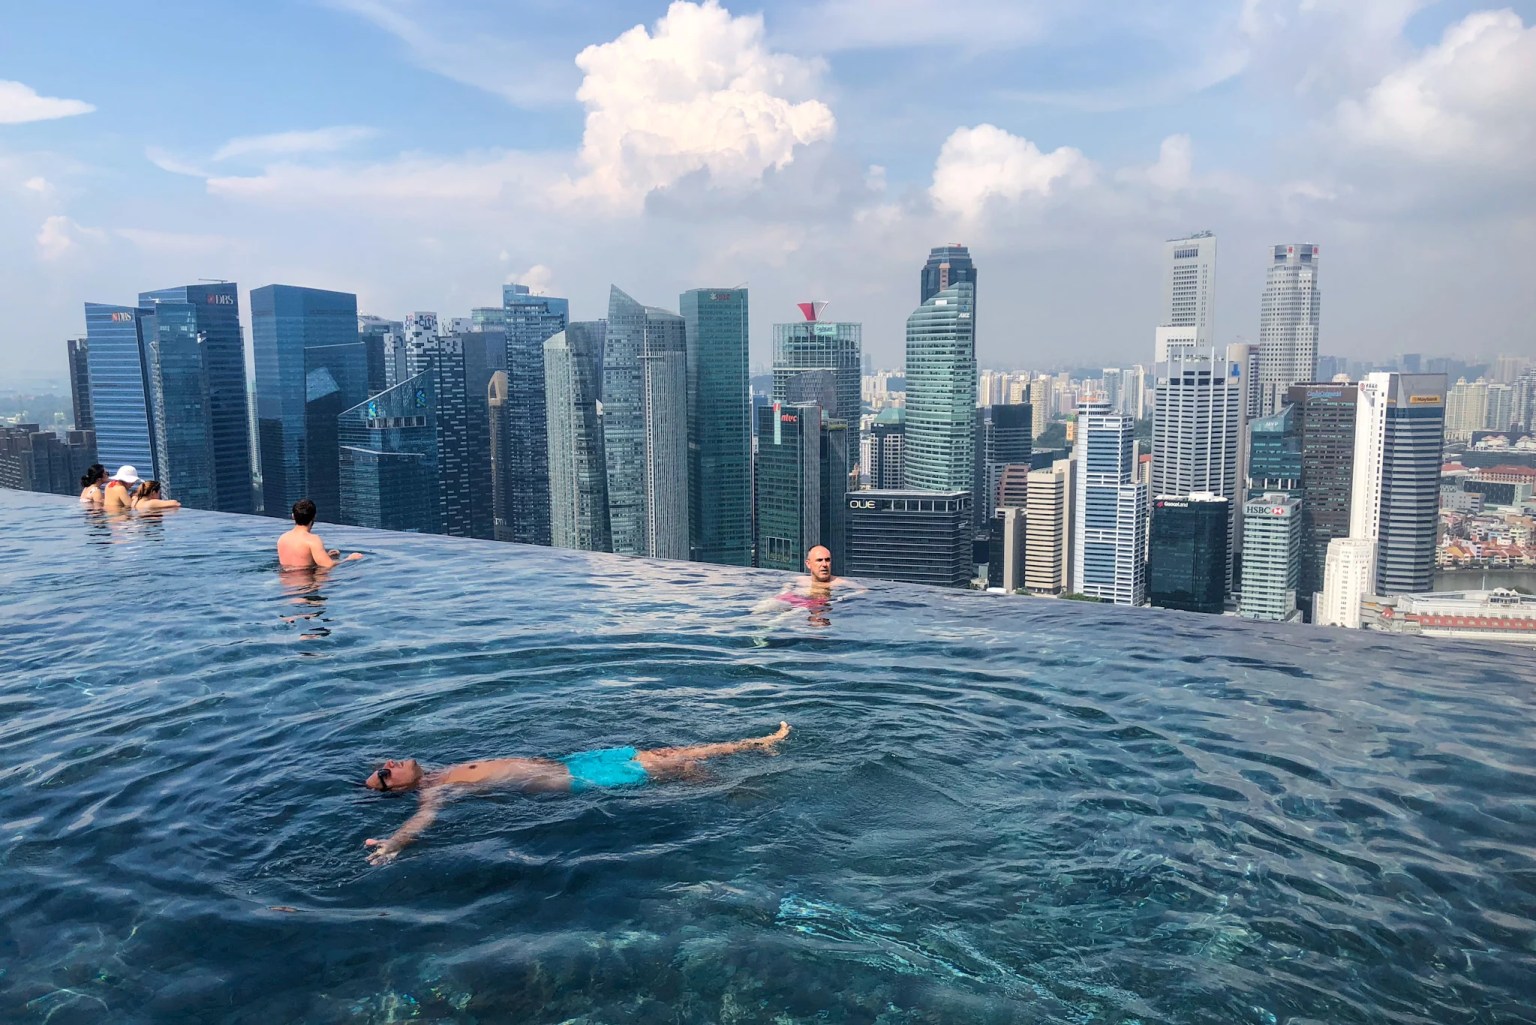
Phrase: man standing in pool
[609,767]
[814,593]
[300,549]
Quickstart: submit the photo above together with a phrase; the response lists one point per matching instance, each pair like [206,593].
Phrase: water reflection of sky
[991,809]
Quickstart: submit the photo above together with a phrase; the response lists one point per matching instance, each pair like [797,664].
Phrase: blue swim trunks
[609,767]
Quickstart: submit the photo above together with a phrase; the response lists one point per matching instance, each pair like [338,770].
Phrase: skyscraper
[1274,452]
[719,426]
[1109,513]
[1008,441]
[645,428]
[1288,321]
[203,437]
[887,469]
[1197,431]
[1048,557]
[813,344]
[528,320]
[921,537]
[1189,289]
[1399,432]
[578,475]
[941,392]
[119,384]
[80,382]
[496,421]
[624,422]
[1188,565]
[1271,557]
[789,499]
[947,267]
[389,459]
[1326,414]
[311,366]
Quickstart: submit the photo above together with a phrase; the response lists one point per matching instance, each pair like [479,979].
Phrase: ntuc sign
[121,318]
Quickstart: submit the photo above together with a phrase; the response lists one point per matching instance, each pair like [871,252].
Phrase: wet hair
[147,487]
[93,475]
[304,512]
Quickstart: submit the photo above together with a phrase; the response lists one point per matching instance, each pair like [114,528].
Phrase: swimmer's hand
[384,851]
[354,555]
[334,553]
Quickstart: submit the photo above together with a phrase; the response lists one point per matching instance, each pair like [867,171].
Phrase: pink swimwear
[804,601]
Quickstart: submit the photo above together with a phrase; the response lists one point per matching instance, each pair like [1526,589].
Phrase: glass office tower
[789,479]
[1188,565]
[941,392]
[389,459]
[311,365]
[207,317]
[529,321]
[719,426]
[119,384]
[947,267]
[814,344]
[80,382]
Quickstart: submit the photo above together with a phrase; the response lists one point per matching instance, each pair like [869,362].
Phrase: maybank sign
[1425,400]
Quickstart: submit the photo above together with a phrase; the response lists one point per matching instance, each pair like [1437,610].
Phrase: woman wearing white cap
[119,494]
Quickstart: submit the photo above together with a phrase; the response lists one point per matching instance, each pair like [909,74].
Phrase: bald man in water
[586,770]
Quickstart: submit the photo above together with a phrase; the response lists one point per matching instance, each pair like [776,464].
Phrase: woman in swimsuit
[91,484]
[147,498]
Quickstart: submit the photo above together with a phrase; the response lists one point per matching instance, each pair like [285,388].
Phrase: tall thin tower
[1188,318]
[1288,320]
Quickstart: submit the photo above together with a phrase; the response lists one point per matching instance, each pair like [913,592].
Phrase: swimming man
[300,549]
[609,767]
[814,592]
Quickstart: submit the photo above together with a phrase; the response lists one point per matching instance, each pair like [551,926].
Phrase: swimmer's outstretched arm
[384,851]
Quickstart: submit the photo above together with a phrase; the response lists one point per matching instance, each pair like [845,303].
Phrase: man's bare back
[301,549]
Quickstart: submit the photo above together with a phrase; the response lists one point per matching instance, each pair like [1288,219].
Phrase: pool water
[991,809]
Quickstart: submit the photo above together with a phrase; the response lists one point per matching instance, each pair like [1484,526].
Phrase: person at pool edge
[608,767]
[299,548]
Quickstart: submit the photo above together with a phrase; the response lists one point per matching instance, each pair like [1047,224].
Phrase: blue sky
[422,152]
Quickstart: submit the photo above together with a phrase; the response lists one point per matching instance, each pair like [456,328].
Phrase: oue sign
[861,503]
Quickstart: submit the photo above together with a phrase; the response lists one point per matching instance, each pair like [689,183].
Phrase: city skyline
[1068,164]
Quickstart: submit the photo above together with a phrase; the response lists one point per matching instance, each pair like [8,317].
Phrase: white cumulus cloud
[979,164]
[20,103]
[539,279]
[701,92]
[1470,100]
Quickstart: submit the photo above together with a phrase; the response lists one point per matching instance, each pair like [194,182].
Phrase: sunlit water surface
[991,809]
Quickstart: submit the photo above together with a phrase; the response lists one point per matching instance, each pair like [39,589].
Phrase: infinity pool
[991,810]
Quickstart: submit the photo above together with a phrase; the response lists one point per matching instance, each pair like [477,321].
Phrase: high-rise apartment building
[623,400]
[1399,434]
[1040,401]
[1048,529]
[80,382]
[1187,568]
[941,392]
[1109,512]
[578,474]
[119,384]
[528,321]
[947,267]
[1288,322]
[311,366]
[1326,415]
[1006,546]
[1271,557]
[789,499]
[1188,318]
[719,426]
